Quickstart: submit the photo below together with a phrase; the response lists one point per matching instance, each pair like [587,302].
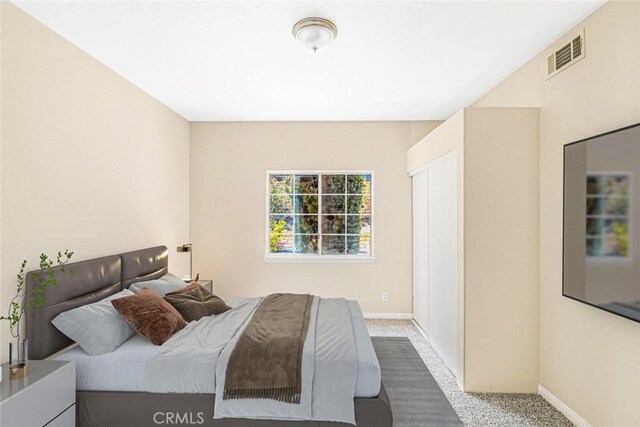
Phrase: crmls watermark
[178,418]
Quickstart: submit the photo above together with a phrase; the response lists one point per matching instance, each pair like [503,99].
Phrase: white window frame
[318,258]
[595,259]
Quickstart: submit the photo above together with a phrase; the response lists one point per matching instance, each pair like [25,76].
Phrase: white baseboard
[395,316]
[562,407]
[433,347]
[419,328]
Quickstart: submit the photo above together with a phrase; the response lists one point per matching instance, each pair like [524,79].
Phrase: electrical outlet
[385,297]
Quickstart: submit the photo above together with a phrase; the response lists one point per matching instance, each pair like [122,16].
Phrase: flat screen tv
[601,241]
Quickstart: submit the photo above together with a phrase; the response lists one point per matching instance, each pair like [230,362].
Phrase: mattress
[124,369]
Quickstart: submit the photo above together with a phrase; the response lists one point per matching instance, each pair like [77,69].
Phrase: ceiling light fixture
[315,33]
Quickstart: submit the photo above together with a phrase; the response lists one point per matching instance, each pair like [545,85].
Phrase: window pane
[281,224]
[281,184]
[333,224]
[593,185]
[359,184]
[281,204]
[594,205]
[615,184]
[306,184]
[306,224]
[359,245]
[306,204]
[358,224]
[359,204]
[281,243]
[333,204]
[616,206]
[306,244]
[615,228]
[593,246]
[333,184]
[594,226]
[614,247]
[333,245]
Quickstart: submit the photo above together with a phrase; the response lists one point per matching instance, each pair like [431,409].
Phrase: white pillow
[98,328]
[162,286]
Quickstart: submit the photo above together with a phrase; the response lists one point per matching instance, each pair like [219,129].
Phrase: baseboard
[419,328]
[433,347]
[395,316]
[562,407]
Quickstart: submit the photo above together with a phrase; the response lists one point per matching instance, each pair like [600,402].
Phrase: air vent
[567,55]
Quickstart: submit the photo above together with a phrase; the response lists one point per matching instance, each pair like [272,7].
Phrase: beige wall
[588,358]
[421,129]
[501,249]
[89,162]
[228,166]
[497,243]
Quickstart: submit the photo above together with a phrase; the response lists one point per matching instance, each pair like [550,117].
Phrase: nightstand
[47,396]
[207,284]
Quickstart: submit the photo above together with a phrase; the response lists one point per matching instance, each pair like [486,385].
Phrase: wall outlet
[385,297]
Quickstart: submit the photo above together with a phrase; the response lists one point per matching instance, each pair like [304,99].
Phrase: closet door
[420,246]
[442,266]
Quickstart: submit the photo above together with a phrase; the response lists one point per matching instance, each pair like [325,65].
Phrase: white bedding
[124,369]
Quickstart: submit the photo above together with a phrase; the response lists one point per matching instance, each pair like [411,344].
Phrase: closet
[476,246]
[435,254]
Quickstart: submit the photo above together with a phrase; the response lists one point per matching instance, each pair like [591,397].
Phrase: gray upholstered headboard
[88,282]
[144,264]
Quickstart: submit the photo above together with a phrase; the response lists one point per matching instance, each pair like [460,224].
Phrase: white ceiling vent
[567,55]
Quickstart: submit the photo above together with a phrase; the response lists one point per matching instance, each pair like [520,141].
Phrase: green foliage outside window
[296,224]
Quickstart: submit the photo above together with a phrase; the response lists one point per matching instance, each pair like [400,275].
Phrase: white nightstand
[207,284]
[47,396]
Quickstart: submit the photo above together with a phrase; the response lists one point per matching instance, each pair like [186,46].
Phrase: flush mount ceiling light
[315,33]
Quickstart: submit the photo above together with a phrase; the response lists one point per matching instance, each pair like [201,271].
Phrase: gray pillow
[162,286]
[98,328]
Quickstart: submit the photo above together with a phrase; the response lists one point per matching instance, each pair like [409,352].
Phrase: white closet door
[442,256]
[420,255]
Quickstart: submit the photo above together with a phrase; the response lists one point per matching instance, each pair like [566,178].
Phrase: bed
[111,390]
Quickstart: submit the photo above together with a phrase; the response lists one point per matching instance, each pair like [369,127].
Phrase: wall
[89,162]
[588,358]
[501,249]
[497,243]
[228,171]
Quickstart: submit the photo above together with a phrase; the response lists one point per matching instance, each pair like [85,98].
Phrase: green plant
[42,279]
[621,233]
[277,227]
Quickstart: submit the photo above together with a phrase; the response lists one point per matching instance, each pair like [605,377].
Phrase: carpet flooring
[474,409]
[415,397]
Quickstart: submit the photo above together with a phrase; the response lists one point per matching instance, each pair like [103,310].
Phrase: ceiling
[237,60]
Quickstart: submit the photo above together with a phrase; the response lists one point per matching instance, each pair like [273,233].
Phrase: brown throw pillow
[196,303]
[150,315]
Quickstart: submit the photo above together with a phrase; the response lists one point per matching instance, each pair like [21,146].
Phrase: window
[319,215]
[608,215]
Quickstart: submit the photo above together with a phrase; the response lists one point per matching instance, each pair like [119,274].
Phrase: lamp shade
[315,33]
[184,248]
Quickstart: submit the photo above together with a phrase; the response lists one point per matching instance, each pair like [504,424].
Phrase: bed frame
[95,279]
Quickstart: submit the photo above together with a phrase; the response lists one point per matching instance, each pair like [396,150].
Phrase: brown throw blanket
[266,362]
